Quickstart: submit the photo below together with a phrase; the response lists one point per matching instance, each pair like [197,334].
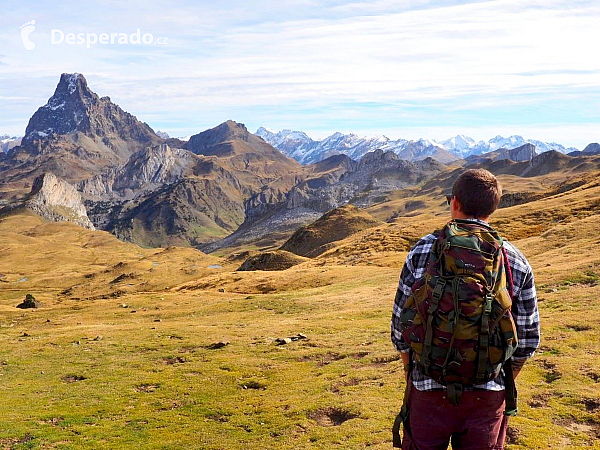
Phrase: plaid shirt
[524,309]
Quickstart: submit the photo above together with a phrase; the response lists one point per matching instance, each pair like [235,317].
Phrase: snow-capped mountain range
[305,150]
[7,142]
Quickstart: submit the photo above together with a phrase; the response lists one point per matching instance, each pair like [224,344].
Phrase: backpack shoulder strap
[510,408]
[508,270]
[473,223]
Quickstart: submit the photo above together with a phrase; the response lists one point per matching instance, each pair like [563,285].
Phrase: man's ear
[455,205]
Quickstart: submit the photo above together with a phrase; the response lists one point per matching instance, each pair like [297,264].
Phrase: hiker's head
[476,194]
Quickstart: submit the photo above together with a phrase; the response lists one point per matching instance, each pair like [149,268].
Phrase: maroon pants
[478,423]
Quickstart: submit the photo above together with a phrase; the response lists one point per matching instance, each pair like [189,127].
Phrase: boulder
[29,302]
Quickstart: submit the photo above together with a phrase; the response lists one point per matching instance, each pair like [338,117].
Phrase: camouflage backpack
[458,319]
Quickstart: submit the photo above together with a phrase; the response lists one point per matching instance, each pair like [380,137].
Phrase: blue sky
[403,68]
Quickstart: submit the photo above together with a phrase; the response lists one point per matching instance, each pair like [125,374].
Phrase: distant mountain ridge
[7,142]
[305,150]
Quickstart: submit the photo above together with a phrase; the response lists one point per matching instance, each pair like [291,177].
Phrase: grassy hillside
[171,348]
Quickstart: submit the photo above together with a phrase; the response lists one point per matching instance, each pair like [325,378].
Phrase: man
[477,421]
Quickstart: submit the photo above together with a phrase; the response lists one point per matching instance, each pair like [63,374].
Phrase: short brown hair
[478,192]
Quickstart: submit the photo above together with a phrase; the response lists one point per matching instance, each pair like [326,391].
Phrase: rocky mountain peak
[204,143]
[378,156]
[525,152]
[65,111]
[380,159]
[243,150]
[74,107]
[593,148]
[73,84]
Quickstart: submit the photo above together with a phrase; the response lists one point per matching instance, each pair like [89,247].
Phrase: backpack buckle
[439,289]
[487,306]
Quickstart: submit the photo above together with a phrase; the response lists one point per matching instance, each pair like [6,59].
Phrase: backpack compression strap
[402,417]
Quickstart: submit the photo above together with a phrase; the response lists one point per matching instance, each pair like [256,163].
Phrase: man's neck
[457,213]
[465,217]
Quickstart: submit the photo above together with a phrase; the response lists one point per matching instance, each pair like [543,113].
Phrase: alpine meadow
[222,285]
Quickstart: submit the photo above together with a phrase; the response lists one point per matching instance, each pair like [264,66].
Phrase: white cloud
[308,59]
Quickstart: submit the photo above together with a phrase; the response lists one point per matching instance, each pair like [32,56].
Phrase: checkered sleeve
[525,307]
[414,268]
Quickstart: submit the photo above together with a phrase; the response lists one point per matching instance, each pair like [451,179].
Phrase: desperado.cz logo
[26,30]
[58,36]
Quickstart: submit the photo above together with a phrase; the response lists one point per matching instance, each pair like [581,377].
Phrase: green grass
[154,384]
[101,376]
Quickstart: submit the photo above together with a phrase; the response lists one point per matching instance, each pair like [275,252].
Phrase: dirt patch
[52,421]
[540,400]
[218,417]
[217,345]
[322,359]
[12,442]
[512,435]
[592,429]
[590,373]
[579,327]
[547,349]
[171,360]
[381,360]
[189,348]
[331,417]
[253,384]
[174,404]
[338,385]
[591,404]
[146,387]
[72,378]
[594,376]
[551,373]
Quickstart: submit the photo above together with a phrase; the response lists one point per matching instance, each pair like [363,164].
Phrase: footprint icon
[26,30]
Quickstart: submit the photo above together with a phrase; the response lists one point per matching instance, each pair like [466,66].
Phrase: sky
[402,68]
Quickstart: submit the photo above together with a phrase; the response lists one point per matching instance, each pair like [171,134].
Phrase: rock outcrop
[525,152]
[29,302]
[144,171]
[56,200]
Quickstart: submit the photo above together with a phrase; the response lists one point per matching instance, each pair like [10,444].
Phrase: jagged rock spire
[74,107]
